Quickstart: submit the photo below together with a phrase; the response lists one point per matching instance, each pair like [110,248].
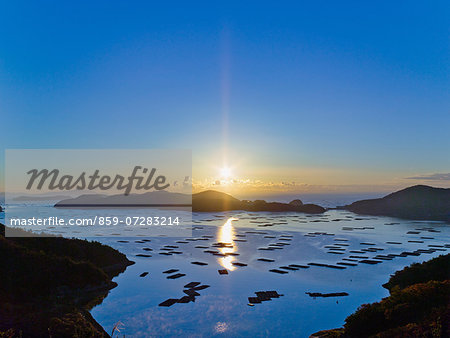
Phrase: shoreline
[421,289]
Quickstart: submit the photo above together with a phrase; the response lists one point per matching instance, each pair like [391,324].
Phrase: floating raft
[192,285]
[290,268]
[266,260]
[333,294]
[211,251]
[370,261]
[299,266]
[346,264]
[169,302]
[191,292]
[327,265]
[176,276]
[278,271]
[263,296]
[200,287]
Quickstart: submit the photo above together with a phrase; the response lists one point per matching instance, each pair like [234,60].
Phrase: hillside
[416,202]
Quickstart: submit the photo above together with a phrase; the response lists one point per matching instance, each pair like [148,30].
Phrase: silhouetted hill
[213,201]
[47,285]
[417,202]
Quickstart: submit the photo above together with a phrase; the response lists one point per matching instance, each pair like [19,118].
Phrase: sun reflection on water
[225,236]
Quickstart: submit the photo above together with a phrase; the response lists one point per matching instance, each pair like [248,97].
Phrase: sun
[225,172]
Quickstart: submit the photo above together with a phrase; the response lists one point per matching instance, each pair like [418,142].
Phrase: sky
[301,96]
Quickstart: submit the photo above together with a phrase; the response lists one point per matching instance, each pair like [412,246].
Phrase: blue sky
[321,93]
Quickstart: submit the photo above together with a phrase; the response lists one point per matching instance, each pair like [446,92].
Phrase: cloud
[431,177]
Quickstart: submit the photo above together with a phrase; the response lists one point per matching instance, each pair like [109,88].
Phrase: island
[215,201]
[418,202]
[151,199]
[49,284]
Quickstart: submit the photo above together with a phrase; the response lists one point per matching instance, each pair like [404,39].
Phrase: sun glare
[226,234]
[225,172]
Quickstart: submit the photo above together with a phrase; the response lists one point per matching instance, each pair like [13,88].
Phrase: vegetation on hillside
[437,269]
[418,305]
[48,284]
[416,202]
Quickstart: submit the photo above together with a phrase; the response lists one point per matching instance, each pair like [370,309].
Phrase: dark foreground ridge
[48,285]
[416,202]
[418,306]
[215,201]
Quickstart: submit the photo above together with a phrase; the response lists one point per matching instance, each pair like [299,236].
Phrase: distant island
[417,202]
[148,199]
[418,306]
[214,201]
[26,198]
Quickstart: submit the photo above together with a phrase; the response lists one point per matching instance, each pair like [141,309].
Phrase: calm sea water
[222,309]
